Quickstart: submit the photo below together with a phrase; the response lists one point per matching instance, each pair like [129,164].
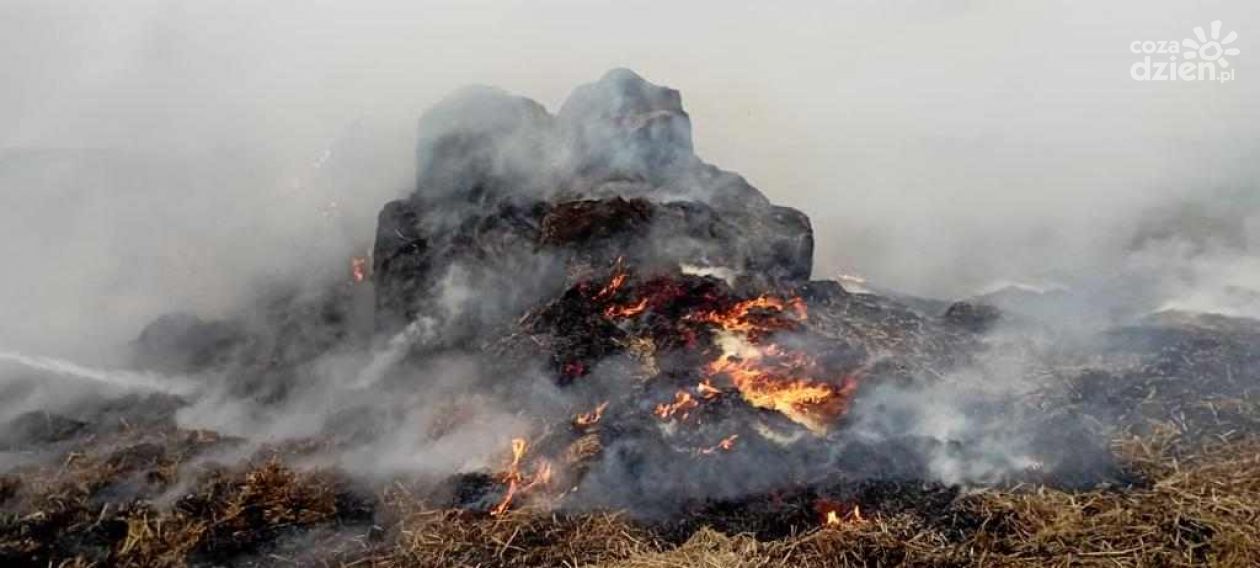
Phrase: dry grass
[452,538]
[228,515]
[66,515]
[1201,507]
[1203,511]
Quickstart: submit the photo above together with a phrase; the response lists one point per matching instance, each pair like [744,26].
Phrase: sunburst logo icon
[1211,48]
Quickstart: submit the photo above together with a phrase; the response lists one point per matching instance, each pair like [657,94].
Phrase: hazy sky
[938,146]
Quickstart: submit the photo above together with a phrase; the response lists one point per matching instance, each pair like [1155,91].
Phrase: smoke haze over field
[403,239]
[160,155]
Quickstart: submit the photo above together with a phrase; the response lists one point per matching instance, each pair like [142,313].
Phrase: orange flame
[757,316]
[618,278]
[681,407]
[833,512]
[766,375]
[585,419]
[622,312]
[772,384]
[515,478]
[772,377]
[358,268]
[707,391]
[725,445]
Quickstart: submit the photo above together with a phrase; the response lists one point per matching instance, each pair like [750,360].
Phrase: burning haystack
[668,300]
[576,343]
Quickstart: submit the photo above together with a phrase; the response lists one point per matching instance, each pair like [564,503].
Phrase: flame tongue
[680,408]
[623,312]
[725,445]
[516,479]
[770,378]
[756,318]
[835,512]
[590,418]
[693,316]
[768,375]
[707,390]
[613,285]
[693,329]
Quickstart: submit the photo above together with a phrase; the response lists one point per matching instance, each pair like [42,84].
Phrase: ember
[358,268]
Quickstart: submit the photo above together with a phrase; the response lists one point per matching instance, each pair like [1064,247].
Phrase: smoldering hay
[574,310]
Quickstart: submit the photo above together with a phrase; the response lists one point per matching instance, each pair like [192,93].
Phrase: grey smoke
[938,148]
[160,156]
